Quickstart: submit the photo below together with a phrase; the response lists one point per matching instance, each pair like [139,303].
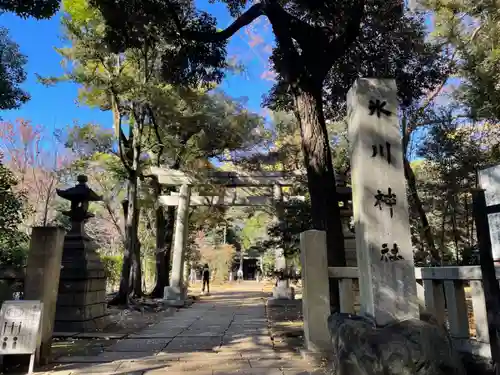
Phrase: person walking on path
[206,278]
[240,275]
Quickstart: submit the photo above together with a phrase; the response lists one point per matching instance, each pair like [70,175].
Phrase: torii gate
[176,292]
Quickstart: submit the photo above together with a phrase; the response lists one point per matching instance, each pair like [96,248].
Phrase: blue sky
[56,107]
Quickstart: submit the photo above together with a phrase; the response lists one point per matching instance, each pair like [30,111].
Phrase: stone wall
[11,282]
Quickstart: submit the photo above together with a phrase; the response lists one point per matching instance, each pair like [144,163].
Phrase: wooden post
[490,283]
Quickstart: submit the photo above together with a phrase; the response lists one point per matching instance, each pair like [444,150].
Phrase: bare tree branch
[254,12]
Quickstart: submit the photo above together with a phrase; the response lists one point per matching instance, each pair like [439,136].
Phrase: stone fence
[454,295]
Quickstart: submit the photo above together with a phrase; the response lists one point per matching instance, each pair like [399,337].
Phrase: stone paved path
[225,333]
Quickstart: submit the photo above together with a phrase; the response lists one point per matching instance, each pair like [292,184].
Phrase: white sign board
[494,223]
[489,180]
[20,327]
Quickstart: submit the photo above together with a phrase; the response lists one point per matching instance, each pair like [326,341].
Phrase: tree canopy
[12,241]
[12,73]
[39,9]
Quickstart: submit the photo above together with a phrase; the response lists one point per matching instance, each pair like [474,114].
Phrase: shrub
[112,268]
[13,242]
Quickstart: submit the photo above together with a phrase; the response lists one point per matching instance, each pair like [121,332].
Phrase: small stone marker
[280,260]
[384,251]
[20,328]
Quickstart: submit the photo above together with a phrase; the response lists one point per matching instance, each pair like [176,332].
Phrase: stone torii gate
[176,292]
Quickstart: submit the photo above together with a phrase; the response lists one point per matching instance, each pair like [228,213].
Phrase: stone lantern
[81,301]
[79,195]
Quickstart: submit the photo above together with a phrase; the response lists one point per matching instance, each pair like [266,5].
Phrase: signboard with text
[20,327]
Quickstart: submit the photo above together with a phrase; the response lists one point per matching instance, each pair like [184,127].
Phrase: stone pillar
[315,291]
[280,260]
[81,302]
[176,291]
[43,269]
[383,246]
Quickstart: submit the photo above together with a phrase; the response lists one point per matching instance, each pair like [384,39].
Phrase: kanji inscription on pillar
[383,245]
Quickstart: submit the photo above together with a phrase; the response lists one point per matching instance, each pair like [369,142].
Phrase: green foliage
[285,234]
[219,259]
[254,230]
[12,73]
[13,242]
[112,268]
[390,45]
[31,8]
[454,152]
[182,62]
[88,140]
[472,30]
[268,263]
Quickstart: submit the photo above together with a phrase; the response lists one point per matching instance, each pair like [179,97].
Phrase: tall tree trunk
[467,221]
[133,207]
[131,275]
[136,275]
[456,235]
[325,209]
[443,227]
[121,297]
[161,267]
[417,206]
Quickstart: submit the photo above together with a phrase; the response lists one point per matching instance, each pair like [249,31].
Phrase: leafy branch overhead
[39,9]
[129,22]
[12,73]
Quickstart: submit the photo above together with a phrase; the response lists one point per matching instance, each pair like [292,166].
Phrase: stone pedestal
[174,296]
[283,290]
[42,280]
[414,346]
[81,303]
[383,246]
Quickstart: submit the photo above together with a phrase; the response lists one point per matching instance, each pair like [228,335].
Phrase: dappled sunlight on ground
[226,332]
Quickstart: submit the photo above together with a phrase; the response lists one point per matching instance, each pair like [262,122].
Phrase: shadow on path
[224,333]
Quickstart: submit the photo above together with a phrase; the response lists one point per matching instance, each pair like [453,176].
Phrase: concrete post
[280,260]
[42,279]
[315,291]
[176,290]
